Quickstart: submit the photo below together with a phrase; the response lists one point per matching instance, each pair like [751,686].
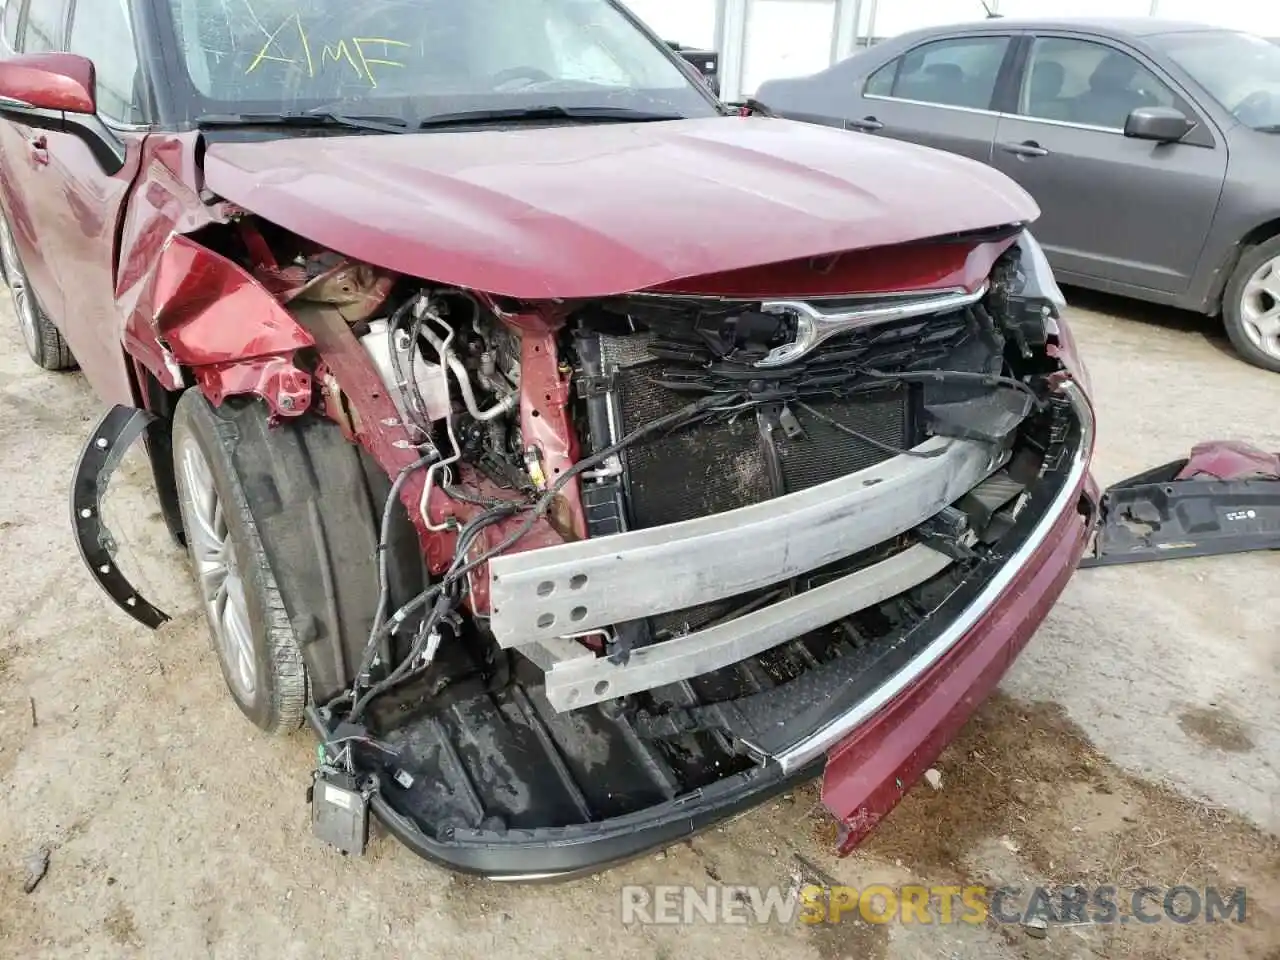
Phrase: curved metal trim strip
[815,326]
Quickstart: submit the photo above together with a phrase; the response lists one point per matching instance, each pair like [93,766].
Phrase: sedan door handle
[39,148]
[1028,148]
[866,124]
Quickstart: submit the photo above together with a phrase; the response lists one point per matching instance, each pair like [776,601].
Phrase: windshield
[1240,71]
[413,59]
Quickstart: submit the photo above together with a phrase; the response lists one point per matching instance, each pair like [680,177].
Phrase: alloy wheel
[222,585]
[1260,308]
[23,305]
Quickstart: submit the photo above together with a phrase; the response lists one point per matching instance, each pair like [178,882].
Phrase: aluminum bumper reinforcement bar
[573,588]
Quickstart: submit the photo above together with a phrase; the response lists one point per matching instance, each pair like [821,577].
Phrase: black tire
[280,694]
[44,345]
[1233,305]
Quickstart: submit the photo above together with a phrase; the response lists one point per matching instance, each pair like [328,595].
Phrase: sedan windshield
[416,59]
[1240,71]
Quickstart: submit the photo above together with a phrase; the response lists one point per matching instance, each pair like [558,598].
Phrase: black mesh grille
[826,453]
[694,472]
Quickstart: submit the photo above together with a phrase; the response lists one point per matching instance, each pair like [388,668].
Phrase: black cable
[690,413]
[457,493]
[941,376]
[420,404]
[879,444]
[460,568]
[444,605]
[384,586]
[466,536]
[687,414]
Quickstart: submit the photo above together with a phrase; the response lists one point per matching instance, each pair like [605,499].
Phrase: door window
[960,72]
[42,32]
[100,30]
[880,83]
[1078,81]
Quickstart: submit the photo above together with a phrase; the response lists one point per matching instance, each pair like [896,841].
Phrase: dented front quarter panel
[184,305]
[192,314]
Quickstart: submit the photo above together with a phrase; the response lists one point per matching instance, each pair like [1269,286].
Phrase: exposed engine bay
[681,409]
[651,547]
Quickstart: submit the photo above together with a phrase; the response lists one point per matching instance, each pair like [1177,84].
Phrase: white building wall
[688,22]
[787,38]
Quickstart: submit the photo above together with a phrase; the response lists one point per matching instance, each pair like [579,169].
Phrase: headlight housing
[1038,300]
[1036,276]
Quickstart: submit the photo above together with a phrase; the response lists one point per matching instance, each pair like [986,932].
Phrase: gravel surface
[1136,741]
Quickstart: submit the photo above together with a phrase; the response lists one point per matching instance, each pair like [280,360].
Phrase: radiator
[725,464]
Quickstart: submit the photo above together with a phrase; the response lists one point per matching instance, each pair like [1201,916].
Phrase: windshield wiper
[585,114]
[1268,128]
[303,120]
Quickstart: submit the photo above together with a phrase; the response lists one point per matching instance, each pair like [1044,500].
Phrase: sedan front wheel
[1251,306]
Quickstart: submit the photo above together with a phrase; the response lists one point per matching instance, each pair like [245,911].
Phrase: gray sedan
[1153,148]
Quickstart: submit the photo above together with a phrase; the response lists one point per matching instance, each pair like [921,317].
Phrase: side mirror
[1161,124]
[48,81]
[58,92]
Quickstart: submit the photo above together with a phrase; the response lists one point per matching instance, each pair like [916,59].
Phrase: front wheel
[254,640]
[1251,306]
[43,341]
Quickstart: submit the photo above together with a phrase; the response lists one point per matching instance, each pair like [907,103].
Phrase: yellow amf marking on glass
[265,52]
[359,43]
[339,53]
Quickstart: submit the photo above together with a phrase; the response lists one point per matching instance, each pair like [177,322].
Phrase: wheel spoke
[219,520]
[239,647]
[213,576]
[204,503]
[1262,292]
[1270,284]
[23,305]
[1267,324]
[221,584]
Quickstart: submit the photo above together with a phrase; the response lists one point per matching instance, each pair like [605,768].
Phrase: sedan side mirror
[1161,124]
[58,92]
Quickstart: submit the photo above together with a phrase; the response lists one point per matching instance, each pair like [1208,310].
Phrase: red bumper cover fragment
[869,772]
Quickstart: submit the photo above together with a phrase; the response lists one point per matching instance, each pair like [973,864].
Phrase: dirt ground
[1136,742]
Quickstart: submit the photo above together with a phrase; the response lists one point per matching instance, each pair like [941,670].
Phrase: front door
[940,94]
[79,242]
[31,203]
[1116,212]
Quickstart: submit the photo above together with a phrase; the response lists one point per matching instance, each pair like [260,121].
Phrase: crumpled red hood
[588,211]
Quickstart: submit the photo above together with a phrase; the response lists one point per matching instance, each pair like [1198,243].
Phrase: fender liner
[316,499]
[113,435]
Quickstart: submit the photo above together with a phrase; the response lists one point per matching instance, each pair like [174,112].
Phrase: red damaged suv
[582,460]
